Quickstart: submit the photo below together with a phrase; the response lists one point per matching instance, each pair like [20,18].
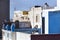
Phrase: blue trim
[25,30]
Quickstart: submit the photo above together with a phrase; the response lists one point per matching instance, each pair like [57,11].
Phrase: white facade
[18,15]
[9,35]
[23,36]
[34,16]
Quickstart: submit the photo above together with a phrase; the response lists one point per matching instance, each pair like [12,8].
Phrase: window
[36,18]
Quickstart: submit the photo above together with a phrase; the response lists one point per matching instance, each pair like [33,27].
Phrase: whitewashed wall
[23,36]
[9,35]
[19,14]
[32,15]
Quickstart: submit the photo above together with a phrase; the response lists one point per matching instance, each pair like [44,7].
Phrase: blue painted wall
[54,22]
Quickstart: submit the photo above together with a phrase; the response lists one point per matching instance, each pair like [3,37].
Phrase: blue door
[54,22]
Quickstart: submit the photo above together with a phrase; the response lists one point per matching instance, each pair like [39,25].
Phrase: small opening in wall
[36,18]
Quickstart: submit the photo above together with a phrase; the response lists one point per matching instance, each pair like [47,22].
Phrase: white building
[20,16]
[33,16]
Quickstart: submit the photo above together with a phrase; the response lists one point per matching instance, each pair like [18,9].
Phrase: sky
[27,4]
